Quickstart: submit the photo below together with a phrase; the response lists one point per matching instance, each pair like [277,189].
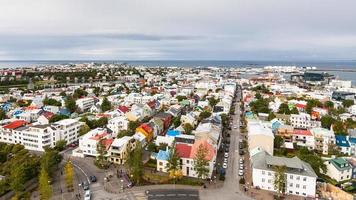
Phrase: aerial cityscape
[173,100]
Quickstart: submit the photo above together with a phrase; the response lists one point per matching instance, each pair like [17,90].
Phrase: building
[118,124]
[120,149]
[323,139]
[88,143]
[303,138]
[302,120]
[300,176]
[162,160]
[340,95]
[260,135]
[84,104]
[339,169]
[68,129]
[187,153]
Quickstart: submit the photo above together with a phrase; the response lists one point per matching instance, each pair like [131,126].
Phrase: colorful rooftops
[15,124]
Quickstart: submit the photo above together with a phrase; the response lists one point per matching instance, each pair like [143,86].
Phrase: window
[269,181]
[304,187]
[269,174]
[291,176]
[304,194]
[298,178]
[297,185]
[291,185]
[305,179]
[263,180]
[263,172]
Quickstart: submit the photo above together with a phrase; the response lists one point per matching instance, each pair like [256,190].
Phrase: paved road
[231,188]
[178,194]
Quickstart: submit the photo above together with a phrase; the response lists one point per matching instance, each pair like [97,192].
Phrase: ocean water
[206,63]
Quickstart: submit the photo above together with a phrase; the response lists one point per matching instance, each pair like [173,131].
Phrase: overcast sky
[178,29]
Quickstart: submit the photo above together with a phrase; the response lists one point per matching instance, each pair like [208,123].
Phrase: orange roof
[99,136]
[15,124]
[107,143]
[210,148]
[302,132]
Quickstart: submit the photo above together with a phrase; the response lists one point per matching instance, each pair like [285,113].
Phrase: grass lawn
[159,178]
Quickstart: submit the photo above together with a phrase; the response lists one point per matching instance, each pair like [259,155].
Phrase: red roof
[47,114]
[107,143]
[152,104]
[99,136]
[298,105]
[302,132]
[15,124]
[146,127]
[124,109]
[183,150]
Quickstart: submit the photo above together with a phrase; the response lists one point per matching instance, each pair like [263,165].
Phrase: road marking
[82,171]
[160,195]
[193,195]
[171,195]
[183,195]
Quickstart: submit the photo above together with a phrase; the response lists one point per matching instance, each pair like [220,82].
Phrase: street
[177,194]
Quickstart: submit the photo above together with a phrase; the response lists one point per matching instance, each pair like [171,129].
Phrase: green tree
[258,96]
[50,159]
[294,111]
[315,161]
[326,121]
[135,164]
[105,105]
[84,129]
[188,128]
[260,106]
[278,141]
[2,114]
[71,105]
[60,145]
[347,103]
[203,115]
[79,93]
[173,164]
[279,181]
[271,116]
[96,91]
[213,101]
[57,117]
[284,109]
[311,103]
[329,104]
[51,102]
[69,175]
[181,98]
[176,121]
[44,186]
[17,178]
[200,162]
[339,127]
[152,147]
[101,150]
[63,94]
[132,125]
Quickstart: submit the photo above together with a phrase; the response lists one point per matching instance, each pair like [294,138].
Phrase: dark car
[241,152]
[93,179]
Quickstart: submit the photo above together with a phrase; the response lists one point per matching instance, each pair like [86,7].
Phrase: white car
[87,195]
[226,155]
[235,127]
[241,166]
[225,160]
[241,172]
[224,165]
[241,161]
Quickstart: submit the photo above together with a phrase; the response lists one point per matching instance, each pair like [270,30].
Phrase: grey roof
[263,160]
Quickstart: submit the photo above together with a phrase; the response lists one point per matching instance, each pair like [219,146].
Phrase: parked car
[87,195]
[235,127]
[92,179]
[226,155]
[241,161]
[241,172]
[225,160]
[241,152]
[224,165]
[241,166]
[86,185]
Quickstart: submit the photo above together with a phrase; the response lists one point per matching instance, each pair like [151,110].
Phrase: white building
[68,129]
[300,176]
[339,169]
[302,120]
[84,104]
[323,139]
[88,143]
[118,124]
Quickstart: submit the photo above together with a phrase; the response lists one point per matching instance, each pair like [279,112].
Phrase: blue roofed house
[275,124]
[173,133]
[343,144]
[346,144]
[162,160]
